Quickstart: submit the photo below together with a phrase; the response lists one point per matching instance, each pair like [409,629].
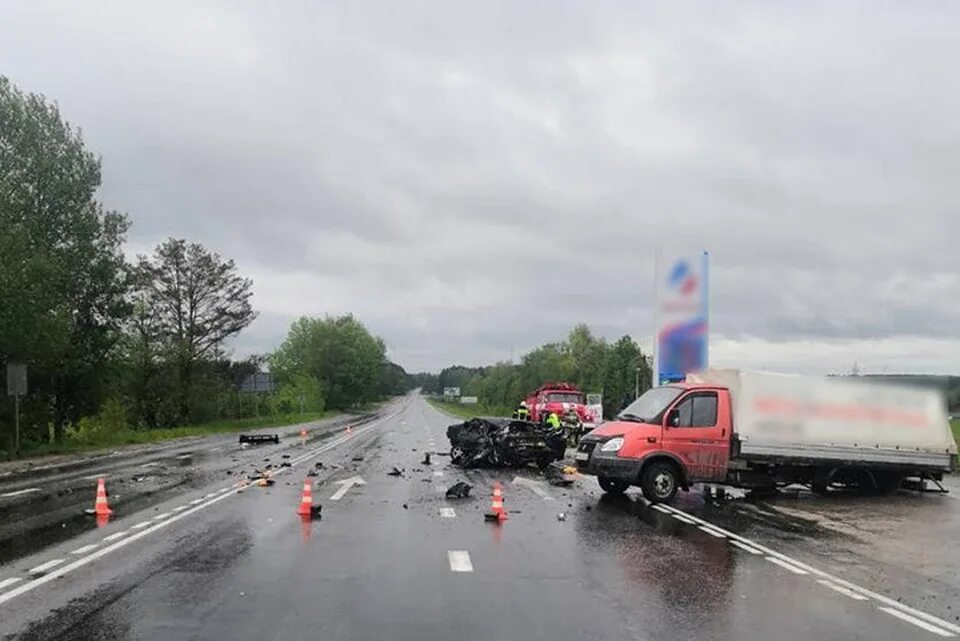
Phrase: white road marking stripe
[19,492]
[40,569]
[85,549]
[447,513]
[917,622]
[712,532]
[195,501]
[79,563]
[870,594]
[660,508]
[140,525]
[438,472]
[115,535]
[208,495]
[749,549]
[459,561]
[6,583]
[96,476]
[160,517]
[179,508]
[842,590]
[681,518]
[786,565]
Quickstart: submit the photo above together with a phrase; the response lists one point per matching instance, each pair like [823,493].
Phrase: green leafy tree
[339,353]
[63,278]
[194,300]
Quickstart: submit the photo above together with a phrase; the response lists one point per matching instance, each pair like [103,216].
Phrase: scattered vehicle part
[312,473]
[257,439]
[458,490]
[405,506]
[396,471]
[358,457]
[503,442]
[426,459]
[285,456]
[285,464]
[562,516]
[318,465]
[315,511]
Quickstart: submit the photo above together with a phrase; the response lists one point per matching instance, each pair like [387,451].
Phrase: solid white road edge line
[45,566]
[459,561]
[681,518]
[917,622]
[61,571]
[8,582]
[826,575]
[842,590]
[749,549]
[786,565]
[26,587]
[712,532]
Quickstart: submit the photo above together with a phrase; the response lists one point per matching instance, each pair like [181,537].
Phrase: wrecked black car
[504,442]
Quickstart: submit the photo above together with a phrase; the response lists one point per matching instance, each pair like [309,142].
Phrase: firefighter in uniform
[521,413]
[572,426]
[553,420]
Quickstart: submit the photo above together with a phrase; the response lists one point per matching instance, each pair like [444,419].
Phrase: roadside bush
[112,419]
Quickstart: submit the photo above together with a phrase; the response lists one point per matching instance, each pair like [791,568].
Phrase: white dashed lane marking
[85,549]
[19,492]
[459,561]
[179,508]
[49,565]
[160,517]
[917,622]
[438,472]
[140,525]
[6,583]
[798,567]
[115,535]
[447,513]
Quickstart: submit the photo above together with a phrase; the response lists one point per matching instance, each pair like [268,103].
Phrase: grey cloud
[473,181]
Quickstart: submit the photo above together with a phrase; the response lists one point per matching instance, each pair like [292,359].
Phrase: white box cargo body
[837,419]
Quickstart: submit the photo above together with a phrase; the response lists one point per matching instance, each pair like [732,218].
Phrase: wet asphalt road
[390,561]
[43,505]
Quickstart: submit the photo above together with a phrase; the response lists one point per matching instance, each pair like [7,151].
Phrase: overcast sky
[472,182]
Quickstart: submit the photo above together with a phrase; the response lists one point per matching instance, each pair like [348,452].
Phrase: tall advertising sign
[682,334]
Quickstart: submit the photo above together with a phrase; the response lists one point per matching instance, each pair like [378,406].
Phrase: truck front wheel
[659,482]
[612,486]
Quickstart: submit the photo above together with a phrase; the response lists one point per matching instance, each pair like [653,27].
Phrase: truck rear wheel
[612,486]
[659,482]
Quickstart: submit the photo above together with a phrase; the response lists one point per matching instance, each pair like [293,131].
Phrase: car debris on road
[256,439]
[503,442]
[396,471]
[458,490]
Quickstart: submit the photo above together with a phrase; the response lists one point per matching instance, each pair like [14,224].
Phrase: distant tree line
[587,360]
[112,344]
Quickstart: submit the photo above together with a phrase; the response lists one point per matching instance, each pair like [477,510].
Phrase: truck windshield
[650,404]
[564,397]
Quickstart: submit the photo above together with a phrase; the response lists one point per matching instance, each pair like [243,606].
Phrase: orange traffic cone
[303,436]
[306,501]
[101,507]
[497,511]
[349,430]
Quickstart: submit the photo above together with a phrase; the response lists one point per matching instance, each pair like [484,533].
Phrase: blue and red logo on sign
[682,279]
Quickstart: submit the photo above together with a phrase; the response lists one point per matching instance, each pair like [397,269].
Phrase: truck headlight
[613,445]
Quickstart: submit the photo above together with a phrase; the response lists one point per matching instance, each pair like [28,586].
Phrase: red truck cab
[668,438]
[559,398]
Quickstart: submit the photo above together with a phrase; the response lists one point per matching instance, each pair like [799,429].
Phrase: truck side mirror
[673,418]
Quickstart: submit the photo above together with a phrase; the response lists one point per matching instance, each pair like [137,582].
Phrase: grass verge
[955,426]
[467,411]
[134,437]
